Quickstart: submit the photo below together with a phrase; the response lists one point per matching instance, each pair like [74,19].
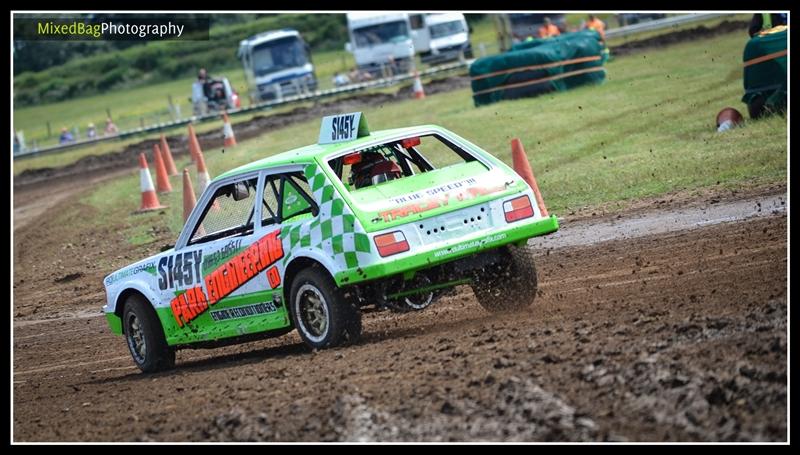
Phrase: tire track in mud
[694,351]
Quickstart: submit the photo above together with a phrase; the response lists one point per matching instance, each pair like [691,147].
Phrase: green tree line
[50,71]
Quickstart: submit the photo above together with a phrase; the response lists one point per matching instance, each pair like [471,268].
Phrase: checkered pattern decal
[335,230]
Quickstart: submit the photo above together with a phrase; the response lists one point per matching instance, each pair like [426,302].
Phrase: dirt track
[675,336]
[666,322]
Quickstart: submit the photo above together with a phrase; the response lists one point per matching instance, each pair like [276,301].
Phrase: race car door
[227,292]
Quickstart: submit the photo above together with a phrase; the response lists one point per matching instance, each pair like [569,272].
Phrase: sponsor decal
[214,259]
[434,202]
[227,278]
[182,269]
[472,244]
[243,311]
[274,277]
[433,191]
[149,267]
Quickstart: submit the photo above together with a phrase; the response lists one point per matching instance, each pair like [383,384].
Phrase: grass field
[648,130]
[149,104]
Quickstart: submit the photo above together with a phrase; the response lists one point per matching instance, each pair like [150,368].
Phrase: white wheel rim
[420,306]
[136,339]
[312,313]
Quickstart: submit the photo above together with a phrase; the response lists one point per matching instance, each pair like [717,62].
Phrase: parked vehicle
[440,37]
[277,64]
[380,42]
[214,95]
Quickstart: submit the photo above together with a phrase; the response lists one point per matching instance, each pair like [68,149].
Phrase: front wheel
[145,337]
[322,314]
[510,284]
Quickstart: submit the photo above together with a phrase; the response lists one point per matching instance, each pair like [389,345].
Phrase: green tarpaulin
[538,66]
[765,59]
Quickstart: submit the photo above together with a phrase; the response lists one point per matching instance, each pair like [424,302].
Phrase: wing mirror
[240,191]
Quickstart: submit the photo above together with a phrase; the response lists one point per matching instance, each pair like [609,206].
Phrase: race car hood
[145,265]
[431,194]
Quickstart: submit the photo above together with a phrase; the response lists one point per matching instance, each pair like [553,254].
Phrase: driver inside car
[374,168]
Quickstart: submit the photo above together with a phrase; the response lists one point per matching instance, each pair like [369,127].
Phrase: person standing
[597,25]
[548,29]
[766,21]
[111,128]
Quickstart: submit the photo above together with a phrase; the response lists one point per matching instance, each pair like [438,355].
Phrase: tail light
[518,209]
[391,243]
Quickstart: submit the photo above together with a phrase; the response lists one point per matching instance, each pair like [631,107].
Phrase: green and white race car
[305,239]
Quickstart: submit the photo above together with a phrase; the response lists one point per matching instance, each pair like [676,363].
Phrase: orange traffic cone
[202,173]
[189,200]
[523,168]
[149,198]
[419,92]
[167,155]
[193,144]
[162,180]
[227,131]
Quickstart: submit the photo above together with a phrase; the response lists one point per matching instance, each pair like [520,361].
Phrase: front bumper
[448,253]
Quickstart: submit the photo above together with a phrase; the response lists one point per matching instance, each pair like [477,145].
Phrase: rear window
[396,160]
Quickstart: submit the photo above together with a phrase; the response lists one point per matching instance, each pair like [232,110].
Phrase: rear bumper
[449,252]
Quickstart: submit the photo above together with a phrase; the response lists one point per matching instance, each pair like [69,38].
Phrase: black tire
[510,284]
[321,313]
[145,337]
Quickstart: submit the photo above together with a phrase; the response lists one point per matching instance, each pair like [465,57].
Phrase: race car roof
[310,153]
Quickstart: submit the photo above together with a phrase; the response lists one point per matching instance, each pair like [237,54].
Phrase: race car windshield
[382,164]
[278,55]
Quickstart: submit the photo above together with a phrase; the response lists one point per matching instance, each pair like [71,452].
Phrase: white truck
[277,64]
[440,37]
[380,43]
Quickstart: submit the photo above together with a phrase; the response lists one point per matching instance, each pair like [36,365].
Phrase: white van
[441,37]
[277,64]
[380,42]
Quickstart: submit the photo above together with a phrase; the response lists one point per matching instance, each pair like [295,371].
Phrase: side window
[296,197]
[229,213]
[269,207]
[286,196]
[417,21]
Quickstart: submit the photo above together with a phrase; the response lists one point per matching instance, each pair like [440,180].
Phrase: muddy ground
[678,336]
[97,165]
[664,322]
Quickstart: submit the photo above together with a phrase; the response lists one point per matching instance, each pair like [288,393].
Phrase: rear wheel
[510,284]
[145,337]
[322,314]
